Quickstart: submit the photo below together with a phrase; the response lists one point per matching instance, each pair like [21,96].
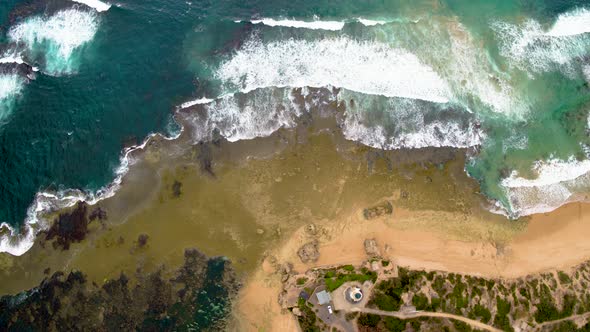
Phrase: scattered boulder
[176,189]
[297,312]
[142,240]
[378,210]
[309,252]
[311,229]
[371,248]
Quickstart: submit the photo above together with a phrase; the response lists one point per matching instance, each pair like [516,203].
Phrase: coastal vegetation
[551,301]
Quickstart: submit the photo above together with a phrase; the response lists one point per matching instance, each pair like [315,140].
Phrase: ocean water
[81,80]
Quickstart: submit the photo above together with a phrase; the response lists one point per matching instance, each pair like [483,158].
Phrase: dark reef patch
[69,227]
[198,298]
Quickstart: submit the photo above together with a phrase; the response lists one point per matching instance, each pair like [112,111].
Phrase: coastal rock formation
[69,227]
[309,252]
[203,301]
[371,248]
[378,210]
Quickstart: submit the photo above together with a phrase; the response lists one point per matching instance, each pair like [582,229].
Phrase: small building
[323,297]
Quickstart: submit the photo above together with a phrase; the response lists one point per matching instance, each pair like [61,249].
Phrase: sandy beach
[552,241]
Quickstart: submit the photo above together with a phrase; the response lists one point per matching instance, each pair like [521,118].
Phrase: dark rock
[378,210]
[72,303]
[176,189]
[69,227]
[142,240]
[309,252]
[205,158]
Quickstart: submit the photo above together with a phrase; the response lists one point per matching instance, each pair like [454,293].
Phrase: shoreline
[549,242]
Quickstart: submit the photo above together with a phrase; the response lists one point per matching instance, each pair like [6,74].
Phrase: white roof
[323,297]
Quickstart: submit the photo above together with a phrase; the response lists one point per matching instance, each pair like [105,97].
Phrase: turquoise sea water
[508,76]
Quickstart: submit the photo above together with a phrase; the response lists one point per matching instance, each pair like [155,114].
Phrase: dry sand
[557,240]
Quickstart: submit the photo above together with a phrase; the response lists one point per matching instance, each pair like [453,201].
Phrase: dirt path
[402,315]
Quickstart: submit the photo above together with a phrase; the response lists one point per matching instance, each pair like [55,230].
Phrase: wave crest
[57,38]
[367,67]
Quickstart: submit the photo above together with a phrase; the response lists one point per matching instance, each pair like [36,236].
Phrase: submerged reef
[198,296]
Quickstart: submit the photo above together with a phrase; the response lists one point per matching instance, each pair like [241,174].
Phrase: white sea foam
[549,172]
[99,6]
[12,58]
[315,25]
[557,182]
[199,101]
[396,123]
[370,23]
[571,23]
[367,67]
[245,116]
[532,48]
[17,243]
[437,134]
[56,37]
[10,85]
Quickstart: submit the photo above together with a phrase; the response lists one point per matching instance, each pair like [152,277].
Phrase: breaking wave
[532,48]
[17,243]
[99,6]
[398,123]
[315,24]
[571,23]
[56,40]
[10,87]
[367,67]
[557,182]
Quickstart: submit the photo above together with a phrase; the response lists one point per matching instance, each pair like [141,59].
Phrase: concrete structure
[354,294]
[323,297]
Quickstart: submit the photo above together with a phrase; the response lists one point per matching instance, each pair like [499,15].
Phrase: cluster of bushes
[308,319]
[547,310]
[387,323]
[335,278]
[387,294]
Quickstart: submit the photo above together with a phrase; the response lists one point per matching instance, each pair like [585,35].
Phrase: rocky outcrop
[69,227]
[198,297]
[309,252]
[378,210]
[371,248]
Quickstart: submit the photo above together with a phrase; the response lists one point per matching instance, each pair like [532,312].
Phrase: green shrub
[387,302]
[301,281]
[461,326]
[385,263]
[369,320]
[483,312]
[420,301]
[348,267]
[394,324]
[564,278]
